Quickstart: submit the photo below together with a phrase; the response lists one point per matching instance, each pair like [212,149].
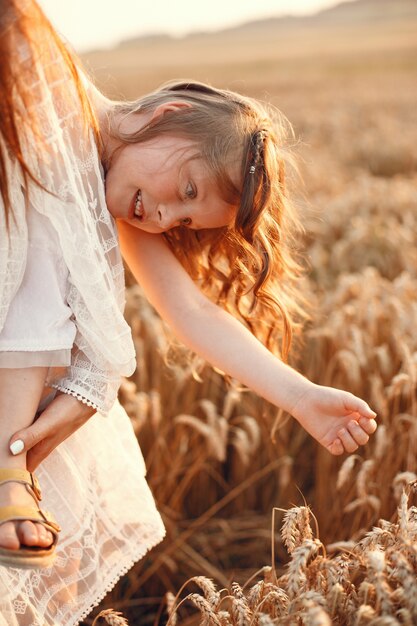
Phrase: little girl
[195,176]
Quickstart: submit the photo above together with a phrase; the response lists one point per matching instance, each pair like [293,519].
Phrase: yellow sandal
[27,556]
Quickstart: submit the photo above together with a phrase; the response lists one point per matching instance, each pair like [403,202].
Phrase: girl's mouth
[138,210]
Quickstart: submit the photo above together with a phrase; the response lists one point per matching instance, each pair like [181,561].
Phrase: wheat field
[224,466]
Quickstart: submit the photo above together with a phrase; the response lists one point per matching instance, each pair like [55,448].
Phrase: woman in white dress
[62,296]
[62,300]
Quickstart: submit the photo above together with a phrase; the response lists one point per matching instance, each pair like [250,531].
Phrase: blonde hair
[250,268]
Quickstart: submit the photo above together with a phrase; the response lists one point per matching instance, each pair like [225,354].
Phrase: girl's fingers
[357,432]
[346,438]
[368,425]
[356,405]
[336,447]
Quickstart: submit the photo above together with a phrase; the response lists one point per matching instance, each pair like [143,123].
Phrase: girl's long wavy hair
[29,45]
[251,267]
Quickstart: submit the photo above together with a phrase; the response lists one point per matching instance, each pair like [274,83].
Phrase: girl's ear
[163,108]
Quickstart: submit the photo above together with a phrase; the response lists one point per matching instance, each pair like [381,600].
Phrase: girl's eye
[190,191]
[186,221]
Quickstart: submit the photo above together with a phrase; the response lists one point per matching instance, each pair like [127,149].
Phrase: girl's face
[156,186]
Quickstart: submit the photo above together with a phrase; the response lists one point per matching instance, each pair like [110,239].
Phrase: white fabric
[39,322]
[94,484]
[51,358]
[75,207]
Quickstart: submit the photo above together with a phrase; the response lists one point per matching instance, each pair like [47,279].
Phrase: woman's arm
[223,341]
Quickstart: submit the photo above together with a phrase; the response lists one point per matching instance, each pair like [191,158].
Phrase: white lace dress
[94,482]
[61,302]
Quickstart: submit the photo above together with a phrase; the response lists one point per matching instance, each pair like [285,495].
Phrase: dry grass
[373,581]
[214,467]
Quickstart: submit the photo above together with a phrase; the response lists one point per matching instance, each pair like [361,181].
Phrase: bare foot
[17,533]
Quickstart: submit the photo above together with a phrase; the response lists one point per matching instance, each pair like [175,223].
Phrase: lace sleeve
[72,198]
[88,383]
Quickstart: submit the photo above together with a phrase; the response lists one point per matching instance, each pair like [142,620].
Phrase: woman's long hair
[251,267]
[29,46]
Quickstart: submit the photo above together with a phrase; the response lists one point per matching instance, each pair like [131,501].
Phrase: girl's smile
[139,211]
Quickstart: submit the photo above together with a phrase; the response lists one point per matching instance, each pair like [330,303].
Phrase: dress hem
[114,579]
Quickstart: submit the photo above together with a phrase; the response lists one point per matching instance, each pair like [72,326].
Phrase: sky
[89,24]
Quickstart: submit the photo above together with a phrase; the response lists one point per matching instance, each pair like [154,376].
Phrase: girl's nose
[165,216]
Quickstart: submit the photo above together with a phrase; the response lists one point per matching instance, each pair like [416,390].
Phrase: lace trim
[79,397]
[113,580]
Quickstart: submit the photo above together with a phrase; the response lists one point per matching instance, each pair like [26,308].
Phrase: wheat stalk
[113,618]
[403,516]
[365,615]
[241,611]
[363,478]
[297,566]
[171,600]
[296,527]
[275,600]
[376,561]
[211,594]
[315,615]
[406,577]
[204,607]
[345,471]
[336,598]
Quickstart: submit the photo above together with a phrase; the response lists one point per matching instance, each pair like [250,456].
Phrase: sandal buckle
[35,486]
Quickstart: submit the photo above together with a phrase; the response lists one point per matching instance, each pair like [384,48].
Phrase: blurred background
[219,459]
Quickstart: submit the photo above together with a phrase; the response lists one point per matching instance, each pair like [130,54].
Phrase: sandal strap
[28,513]
[21,476]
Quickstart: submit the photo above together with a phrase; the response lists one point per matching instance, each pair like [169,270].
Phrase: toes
[347,440]
[357,432]
[45,536]
[368,425]
[28,533]
[8,536]
[32,534]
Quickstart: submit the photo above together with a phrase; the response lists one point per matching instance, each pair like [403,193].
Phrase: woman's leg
[20,392]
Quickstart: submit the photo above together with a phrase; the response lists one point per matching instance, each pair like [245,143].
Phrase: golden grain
[202,440]
[296,527]
[113,618]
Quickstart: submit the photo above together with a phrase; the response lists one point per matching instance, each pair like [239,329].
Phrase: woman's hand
[340,421]
[62,417]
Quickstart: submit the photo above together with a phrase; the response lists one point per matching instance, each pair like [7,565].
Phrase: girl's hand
[62,417]
[340,421]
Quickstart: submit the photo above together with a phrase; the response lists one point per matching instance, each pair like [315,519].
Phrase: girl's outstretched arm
[337,419]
